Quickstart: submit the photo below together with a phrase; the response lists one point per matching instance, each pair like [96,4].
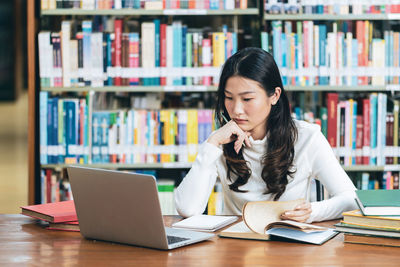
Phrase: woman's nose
[238,108]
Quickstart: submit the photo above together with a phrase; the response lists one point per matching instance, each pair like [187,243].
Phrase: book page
[258,214]
[239,227]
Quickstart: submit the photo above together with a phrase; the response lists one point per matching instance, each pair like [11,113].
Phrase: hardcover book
[366,230]
[379,202]
[261,221]
[356,217]
[65,226]
[57,212]
[372,240]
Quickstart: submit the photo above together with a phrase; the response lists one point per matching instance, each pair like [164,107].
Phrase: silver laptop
[124,207]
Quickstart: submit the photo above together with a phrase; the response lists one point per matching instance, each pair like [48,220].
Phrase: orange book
[56,212]
[65,226]
[372,240]
[360,29]
[396,63]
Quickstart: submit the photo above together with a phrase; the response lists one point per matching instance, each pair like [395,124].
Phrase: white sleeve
[327,169]
[192,194]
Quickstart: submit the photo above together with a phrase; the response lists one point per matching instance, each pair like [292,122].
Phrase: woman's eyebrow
[242,93]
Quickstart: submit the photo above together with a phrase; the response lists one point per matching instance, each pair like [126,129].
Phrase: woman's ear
[276,95]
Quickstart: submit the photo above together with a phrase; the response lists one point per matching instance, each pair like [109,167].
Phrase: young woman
[261,153]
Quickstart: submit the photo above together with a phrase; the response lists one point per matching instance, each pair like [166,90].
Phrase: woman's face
[248,105]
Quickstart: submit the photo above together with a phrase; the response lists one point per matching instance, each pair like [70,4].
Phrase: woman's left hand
[300,213]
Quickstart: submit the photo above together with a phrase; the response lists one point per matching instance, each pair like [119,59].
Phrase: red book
[118,48]
[332,102]
[163,50]
[359,139]
[82,106]
[56,212]
[48,185]
[125,55]
[134,55]
[367,130]
[360,29]
[389,135]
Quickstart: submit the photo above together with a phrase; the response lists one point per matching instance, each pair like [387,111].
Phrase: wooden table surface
[25,242]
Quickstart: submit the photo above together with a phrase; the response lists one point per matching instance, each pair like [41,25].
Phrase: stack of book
[58,215]
[377,222]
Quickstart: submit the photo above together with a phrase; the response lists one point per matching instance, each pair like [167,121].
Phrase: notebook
[123,207]
[207,223]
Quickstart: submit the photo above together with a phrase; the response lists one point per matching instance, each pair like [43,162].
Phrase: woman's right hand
[228,133]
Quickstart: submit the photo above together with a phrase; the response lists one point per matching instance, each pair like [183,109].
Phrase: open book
[261,221]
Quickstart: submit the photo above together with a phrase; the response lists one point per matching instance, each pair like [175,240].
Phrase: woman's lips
[240,121]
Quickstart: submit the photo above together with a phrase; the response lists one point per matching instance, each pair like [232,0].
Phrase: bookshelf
[144,89]
[37,19]
[51,20]
[173,165]
[139,12]
[202,88]
[317,46]
[329,17]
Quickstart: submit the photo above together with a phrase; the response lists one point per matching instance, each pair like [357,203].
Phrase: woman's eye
[227,97]
[247,99]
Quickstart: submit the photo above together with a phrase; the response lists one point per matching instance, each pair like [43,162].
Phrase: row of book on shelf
[145,4]
[101,53]
[332,7]
[123,136]
[366,181]
[362,131]
[377,222]
[349,53]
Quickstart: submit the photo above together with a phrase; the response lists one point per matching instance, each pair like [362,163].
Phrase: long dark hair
[258,65]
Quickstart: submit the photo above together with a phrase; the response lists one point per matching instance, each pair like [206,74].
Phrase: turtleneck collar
[257,146]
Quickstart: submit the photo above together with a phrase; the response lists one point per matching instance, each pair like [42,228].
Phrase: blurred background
[13,106]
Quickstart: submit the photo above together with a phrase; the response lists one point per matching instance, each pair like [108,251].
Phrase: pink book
[206,59]
[359,138]
[118,48]
[332,102]
[133,55]
[56,212]
[163,50]
[366,130]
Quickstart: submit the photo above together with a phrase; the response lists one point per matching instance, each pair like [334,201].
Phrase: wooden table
[25,242]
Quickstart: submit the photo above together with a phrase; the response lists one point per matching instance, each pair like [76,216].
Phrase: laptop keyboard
[174,239]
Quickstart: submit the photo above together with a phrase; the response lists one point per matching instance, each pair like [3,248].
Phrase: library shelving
[144,12]
[329,17]
[251,17]
[202,88]
[174,165]
[74,103]
[137,88]
[347,53]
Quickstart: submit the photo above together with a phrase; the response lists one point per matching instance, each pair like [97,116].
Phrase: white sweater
[313,158]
